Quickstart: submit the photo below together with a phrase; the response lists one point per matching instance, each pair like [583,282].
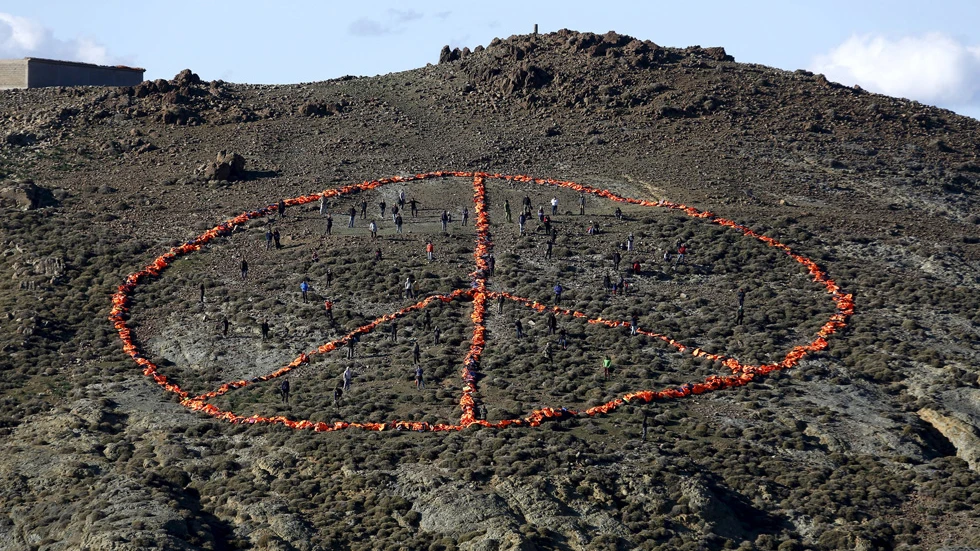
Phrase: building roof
[80,64]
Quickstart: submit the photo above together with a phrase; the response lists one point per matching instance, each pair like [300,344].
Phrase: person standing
[348,377]
[284,390]
[606,364]
[552,323]
[323,205]
[275,237]
[351,342]
[429,250]
[304,288]
[419,380]
[554,205]
[281,208]
[409,292]
[629,242]
[526,205]
[398,223]
[740,312]
[382,205]
[521,220]
[268,239]
[202,293]
[363,209]
[394,331]
[352,213]
[549,354]
[444,218]
[634,324]
[329,223]
[492,264]
[328,306]
[394,213]
[373,226]
[264,326]
[401,198]
[436,333]
[416,354]
[466,215]
[581,204]
[224,326]
[540,214]
[414,206]
[507,210]
[681,253]
[519,328]
[500,304]
[547,252]
[558,291]
[244,268]
[563,339]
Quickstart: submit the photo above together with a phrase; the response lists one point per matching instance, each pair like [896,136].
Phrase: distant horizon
[905,50]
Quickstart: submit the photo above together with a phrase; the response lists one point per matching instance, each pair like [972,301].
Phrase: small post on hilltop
[535,29]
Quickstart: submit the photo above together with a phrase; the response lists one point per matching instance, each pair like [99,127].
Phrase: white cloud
[23,37]
[393,24]
[932,68]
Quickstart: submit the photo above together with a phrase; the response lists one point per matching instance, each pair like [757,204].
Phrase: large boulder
[24,195]
[186,78]
[226,166]
[319,109]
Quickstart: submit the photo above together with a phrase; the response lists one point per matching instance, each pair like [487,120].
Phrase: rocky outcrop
[962,435]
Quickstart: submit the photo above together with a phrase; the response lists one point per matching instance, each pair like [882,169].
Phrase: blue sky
[929,51]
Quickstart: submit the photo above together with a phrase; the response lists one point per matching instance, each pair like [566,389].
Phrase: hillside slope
[873,443]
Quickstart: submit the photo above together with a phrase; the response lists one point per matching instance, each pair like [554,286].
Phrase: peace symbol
[479,294]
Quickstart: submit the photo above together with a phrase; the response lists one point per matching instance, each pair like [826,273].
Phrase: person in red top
[681,251]
[429,249]
[328,306]
[636,267]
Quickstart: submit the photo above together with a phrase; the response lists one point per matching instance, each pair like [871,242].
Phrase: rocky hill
[871,443]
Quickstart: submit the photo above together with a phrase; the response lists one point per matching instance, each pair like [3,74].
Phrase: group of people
[396,211]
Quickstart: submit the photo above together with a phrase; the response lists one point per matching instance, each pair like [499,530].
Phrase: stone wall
[13,73]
